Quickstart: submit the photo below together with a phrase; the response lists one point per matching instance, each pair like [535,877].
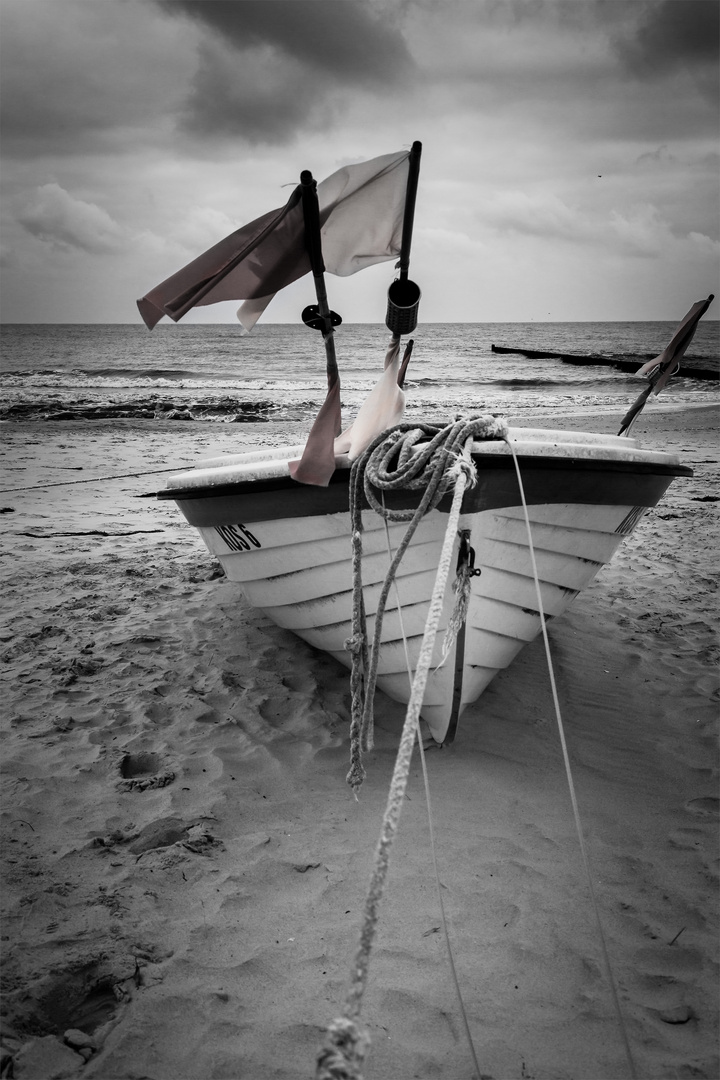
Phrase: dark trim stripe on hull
[545,480]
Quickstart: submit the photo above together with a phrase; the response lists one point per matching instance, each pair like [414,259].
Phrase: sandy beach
[184,866]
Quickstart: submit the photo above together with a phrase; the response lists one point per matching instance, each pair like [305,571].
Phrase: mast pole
[326,319]
[317,463]
[409,214]
[403,294]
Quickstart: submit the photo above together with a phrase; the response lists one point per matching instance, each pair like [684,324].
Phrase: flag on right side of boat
[662,368]
[361,216]
[667,364]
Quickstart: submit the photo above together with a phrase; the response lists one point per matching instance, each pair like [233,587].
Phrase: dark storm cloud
[256,97]
[675,35]
[267,68]
[343,38]
[598,70]
[52,106]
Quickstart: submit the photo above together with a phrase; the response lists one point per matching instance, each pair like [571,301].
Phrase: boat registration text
[237,537]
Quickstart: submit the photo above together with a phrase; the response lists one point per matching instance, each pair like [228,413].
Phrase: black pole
[311,216]
[313,244]
[409,215]
[404,295]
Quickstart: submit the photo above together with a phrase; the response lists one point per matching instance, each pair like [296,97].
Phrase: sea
[218,373]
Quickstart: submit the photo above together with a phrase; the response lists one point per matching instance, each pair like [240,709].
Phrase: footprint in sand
[708,807]
[159,834]
[138,772]
[668,961]
[82,998]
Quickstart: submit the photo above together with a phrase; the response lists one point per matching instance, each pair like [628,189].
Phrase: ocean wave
[439,407]
[128,380]
[529,381]
[170,374]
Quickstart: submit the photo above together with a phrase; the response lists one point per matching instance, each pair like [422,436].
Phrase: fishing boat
[290,547]
[540,511]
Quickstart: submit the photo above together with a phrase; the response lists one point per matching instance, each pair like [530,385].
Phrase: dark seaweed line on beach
[86,532]
[229,409]
[688,370]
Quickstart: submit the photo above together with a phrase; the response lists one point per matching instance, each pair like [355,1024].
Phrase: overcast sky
[570,148]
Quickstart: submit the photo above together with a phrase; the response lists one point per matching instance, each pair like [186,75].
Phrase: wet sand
[184,867]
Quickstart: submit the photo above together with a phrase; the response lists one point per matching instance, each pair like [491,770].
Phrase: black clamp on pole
[316,316]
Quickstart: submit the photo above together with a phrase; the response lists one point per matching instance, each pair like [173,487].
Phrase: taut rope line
[90,480]
[568,772]
[346,1043]
[433,846]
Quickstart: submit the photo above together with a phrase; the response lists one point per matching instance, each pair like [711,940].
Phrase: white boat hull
[297,568]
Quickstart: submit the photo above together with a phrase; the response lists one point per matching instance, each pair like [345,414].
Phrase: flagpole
[404,295]
[323,318]
[409,215]
[635,409]
[317,463]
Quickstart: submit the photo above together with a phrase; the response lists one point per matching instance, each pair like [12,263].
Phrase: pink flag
[361,214]
[264,255]
[317,463]
[383,408]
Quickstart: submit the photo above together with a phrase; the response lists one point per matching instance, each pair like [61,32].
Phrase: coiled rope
[443,461]
[406,457]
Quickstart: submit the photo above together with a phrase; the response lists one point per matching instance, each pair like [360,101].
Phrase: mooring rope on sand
[346,1043]
[462,581]
[92,480]
[569,776]
[343,1052]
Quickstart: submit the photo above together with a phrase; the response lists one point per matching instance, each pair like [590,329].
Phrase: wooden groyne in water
[689,369]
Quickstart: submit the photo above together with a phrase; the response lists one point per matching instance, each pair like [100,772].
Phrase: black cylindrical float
[402,307]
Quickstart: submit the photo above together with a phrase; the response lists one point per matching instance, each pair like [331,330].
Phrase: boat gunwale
[483,461]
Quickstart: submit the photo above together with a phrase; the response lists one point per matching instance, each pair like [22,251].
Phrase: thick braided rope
[357,645]
[391,463]
[343,1052]
[345,1034]
[462,588]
